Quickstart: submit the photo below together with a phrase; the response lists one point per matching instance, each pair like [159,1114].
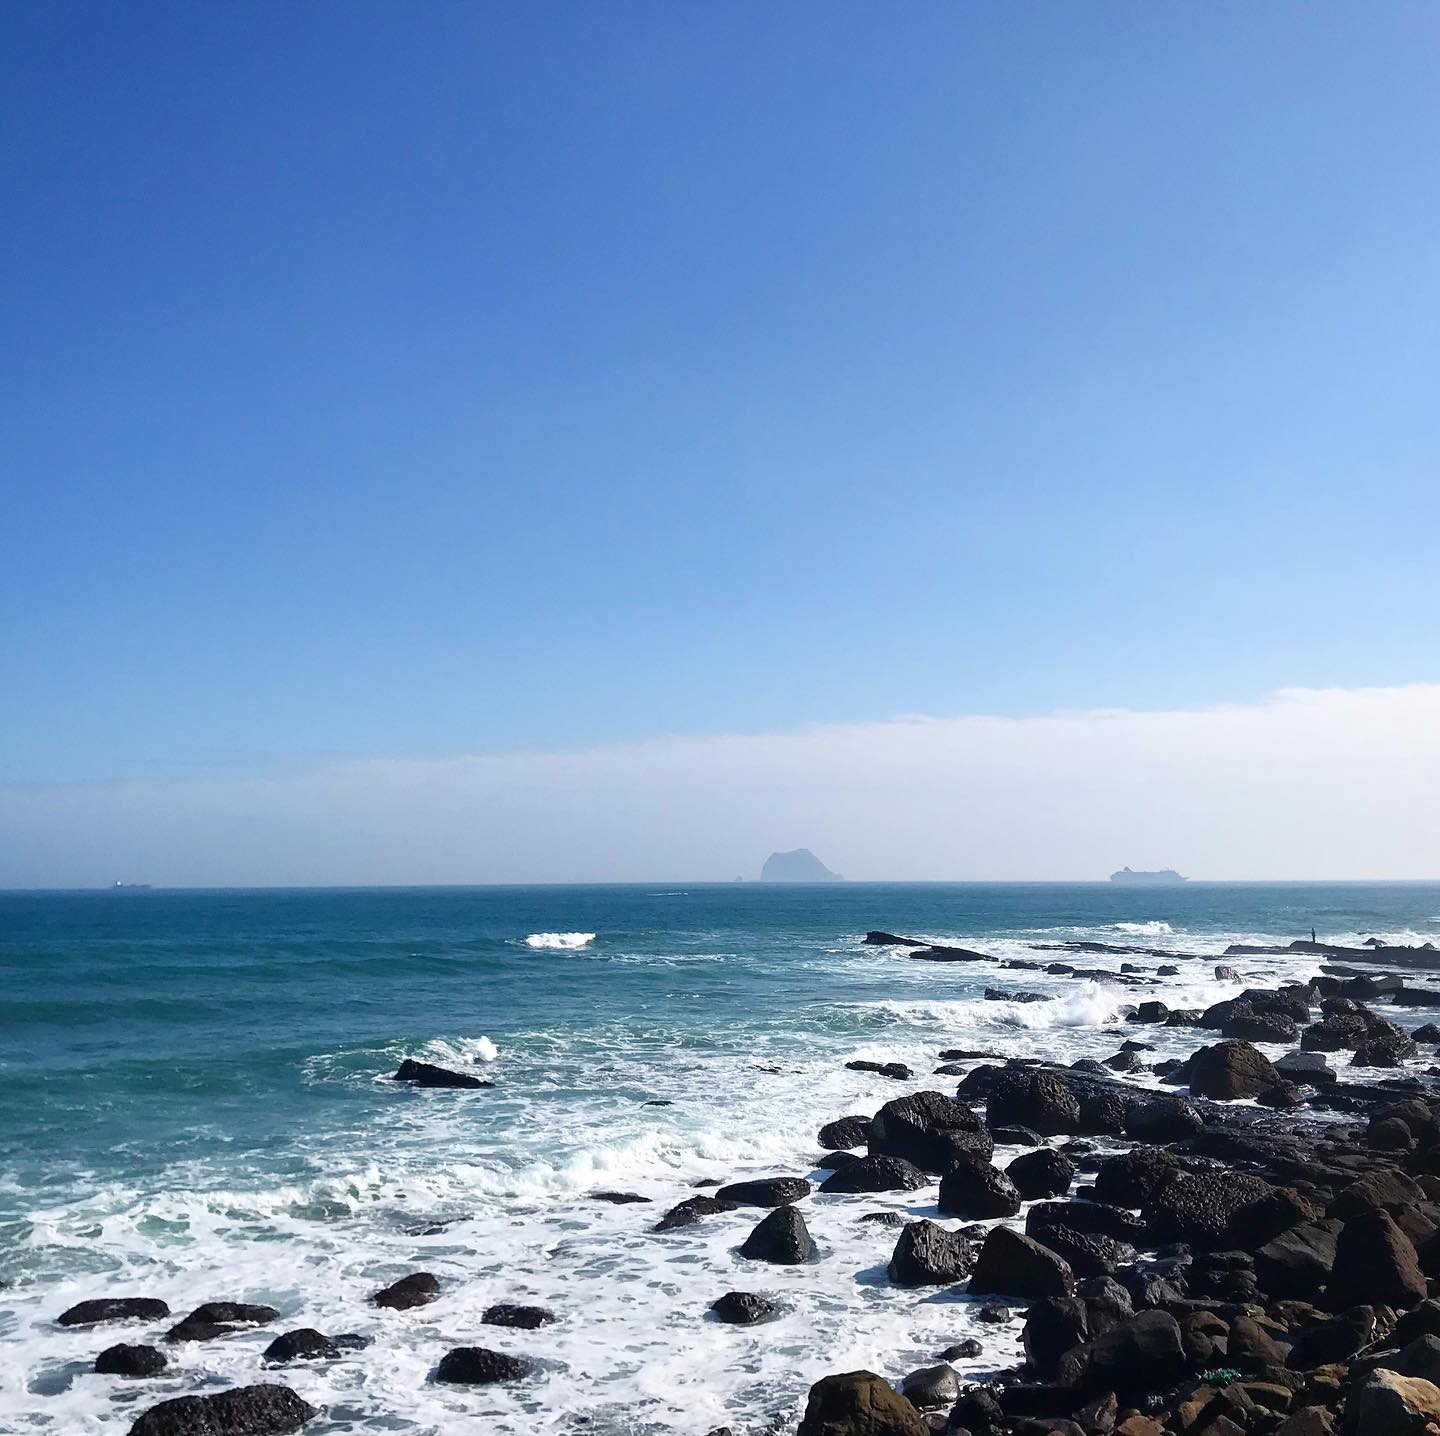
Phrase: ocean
[196,1104]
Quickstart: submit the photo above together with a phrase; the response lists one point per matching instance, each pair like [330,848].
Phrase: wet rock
[420,1288]
[1336,1033]
[1383,1052]
[885,1219]
[1307,1067]
[966,1350]
[888,939]
[1095,1218]
[896,1071]
[1089,1254]
[1150,1012]
[620,1199]
[743,1308]
[220,1318]
[1229,1071]
[1132,1178]
[1375,1263]
[426,1074]
[1052,1327]
[929,1129]
[263,1410]
[304,1344]
[833,1161]
[765,1192]
[782,1238]
[876,1174]
[1044,1173]
[845,1132]
[1225,973]
[977,1411]
[931,1388]
[690,1211]
[114,1308]
[977,1190]
[1015,1265]
[927,1254]
[526,1318]
[126,1360]
[1219,1211]
[1247,1024]
[859,1403]
[1038,1100]
[477,1366]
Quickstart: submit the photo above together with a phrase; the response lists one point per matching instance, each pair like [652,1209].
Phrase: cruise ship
[1130,875]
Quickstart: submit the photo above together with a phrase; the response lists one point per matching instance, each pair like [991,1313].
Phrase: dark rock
[966,1350]
[845,1132]
[1388,1404]
[220,1318]
[420,1288]
[1095,1218]
[526,1318]
[1150,1012]
[1226,974]
[929,1129]
[1307,1067]
[1375,1263]
[876,1174]
[690,1211]
[833,1161]
[1043,1173]
[1228,1071]
[1138,1356]
[1016,1137]
[1088,1253]
[931,1388]
[1383,1052]
[765,1192]
[743,1308]
[896,1071]
[888,939]
[1218,1211]
[1389,1134]
[1052,1327]
[1335,1033]
[1038,1100]
[426,1074]
[126,1360]
[263,1410]
[782,1238]
[1422,1320]
[1244,1022]
[1335,1340]
[926,1254]
[304,1344]
[995,1315]
[477,1366]
[115,1308]
[1132,1178]
[620,1199]
[977,1190]
[859,1403]
[1383,1188]
[885,1219]
[1015,1265]
[1296,1264]
[977,1411]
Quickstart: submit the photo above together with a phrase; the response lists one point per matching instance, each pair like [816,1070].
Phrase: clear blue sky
[416,379]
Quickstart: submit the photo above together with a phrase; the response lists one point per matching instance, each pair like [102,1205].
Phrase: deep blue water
[186,1074]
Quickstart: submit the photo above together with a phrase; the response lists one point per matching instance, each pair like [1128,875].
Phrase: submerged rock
[896,1071]
[420,1288]
[426,1074]
[263,1410]
[478,1366]
[220,1318]
[304,1344]
[526,1318]
[743,1308]
[124,1360]
[690,1211]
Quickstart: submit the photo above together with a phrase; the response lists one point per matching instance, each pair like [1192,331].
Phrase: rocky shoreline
[1255,1250]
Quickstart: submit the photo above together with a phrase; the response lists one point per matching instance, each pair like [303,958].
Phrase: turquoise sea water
[195,1104]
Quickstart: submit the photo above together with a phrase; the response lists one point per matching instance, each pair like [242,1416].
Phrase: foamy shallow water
[298,1175]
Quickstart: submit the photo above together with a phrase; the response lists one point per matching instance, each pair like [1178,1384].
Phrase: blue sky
[420,380]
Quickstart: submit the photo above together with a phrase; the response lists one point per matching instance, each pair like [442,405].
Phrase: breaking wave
[560,941]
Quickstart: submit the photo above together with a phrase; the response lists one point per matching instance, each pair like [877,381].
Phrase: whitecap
[1156,927]
[559,941]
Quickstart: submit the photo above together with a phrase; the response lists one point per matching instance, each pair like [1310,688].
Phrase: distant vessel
[1165,875]
[136,887]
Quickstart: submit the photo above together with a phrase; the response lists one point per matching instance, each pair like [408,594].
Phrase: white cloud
[1306,784]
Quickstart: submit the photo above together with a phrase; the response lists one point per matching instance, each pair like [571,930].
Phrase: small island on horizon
[799,865]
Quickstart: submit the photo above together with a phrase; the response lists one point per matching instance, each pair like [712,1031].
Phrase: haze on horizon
[514,443]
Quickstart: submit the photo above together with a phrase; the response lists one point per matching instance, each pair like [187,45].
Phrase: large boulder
[782,1238]
[1375,1263]
[1228,1071]
[929,1129]
[1132,1178]
[932,1388]
[1335,1033]
[263,1410]
[926,1254]
[1038,1100]
[1223,1211]
[765,1192]
[1088,1253]
[1137,1356]
[1296,1264]
[477,1366]
[1388,1404]
[1052,1327]
[876,1174]
[1042,1173]
[113,1308]
[1015,1265]
[1384,1188]
[859,1403]
[977,1190]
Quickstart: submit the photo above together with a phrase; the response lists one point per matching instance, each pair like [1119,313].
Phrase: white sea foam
[1155,928]
[560,941]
